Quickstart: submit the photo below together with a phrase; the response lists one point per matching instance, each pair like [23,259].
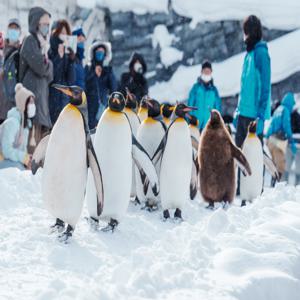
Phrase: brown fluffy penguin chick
[216,156]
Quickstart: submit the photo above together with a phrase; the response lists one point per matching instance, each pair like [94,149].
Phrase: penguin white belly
[65,167]
[113,147]
[176,166]
[251,186]
[149,135]
[135,124]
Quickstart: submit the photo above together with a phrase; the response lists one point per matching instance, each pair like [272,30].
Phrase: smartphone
[71,42]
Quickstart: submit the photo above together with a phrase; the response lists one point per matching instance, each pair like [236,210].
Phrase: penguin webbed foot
[166,215]
[59,226]
[66,235]
[150,207]
[93,222]
[211,205]
[112,225]
[178,215]
[136,201]
[243,203]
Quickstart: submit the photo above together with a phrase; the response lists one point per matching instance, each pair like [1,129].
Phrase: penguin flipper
[241,160]
[194,179]
[95,168]
[268,162]
[145,166]
[195,143]
[39,154]
[160,150]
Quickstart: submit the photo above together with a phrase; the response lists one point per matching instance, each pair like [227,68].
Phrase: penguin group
[150,154]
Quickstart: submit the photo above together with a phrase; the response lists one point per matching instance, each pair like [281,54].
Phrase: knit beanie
[22,94]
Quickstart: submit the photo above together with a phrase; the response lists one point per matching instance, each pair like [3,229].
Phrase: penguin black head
[167,110]
[252,127]
[75,93]
[130,101]
[116,101]
[143,103]
[153,107]
[194,121]
[182,110]
[215,119]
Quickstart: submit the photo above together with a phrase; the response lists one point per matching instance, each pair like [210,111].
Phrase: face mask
[63,37]
[99,56]
[138,68]
[44,30]
[80,45]
[13,35]
[206,78]
[31,109]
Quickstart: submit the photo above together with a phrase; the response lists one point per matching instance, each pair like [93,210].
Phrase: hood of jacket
[34,17]
[108,52]
[14,113]
[134,57]
[288,101]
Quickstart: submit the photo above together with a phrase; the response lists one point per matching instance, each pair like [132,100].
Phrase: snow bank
[276,14]
[285,61]
[137,6]
[239,254]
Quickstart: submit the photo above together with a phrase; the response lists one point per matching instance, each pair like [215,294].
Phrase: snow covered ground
[242,253]
[285,61]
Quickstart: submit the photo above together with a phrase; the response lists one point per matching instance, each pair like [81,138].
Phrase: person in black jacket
[100,80]
[135,79]
[63,60]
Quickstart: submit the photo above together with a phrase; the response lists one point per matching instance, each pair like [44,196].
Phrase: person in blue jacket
[255,95]
[100,80]
[204,95]
[280,133]
[79,68]
[63,59]
[14,132]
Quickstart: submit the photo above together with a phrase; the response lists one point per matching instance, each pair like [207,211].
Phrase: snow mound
[238,254]
[227,74]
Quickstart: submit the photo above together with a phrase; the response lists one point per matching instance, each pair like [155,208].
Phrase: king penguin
[175,152]
[129,110]
[116,147]
[65,155]
[149,135]
[252,186]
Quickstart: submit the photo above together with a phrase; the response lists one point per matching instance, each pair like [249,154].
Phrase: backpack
[10,75]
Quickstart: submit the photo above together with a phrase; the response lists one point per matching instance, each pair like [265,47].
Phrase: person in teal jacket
[280,131]
[14,131]
[255,95]
[204,95]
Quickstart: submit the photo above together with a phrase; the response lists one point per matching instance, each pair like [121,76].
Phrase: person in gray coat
[36,70]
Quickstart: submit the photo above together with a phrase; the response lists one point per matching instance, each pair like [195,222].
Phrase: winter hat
[78,32]
[206,64]
[14,21]
[22,94]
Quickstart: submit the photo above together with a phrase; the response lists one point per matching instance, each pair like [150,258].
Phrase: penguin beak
[189,108]
[149,103]
[64,89]
[114,100]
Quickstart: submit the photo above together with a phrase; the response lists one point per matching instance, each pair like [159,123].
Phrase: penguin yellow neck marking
[149,120]
[251,135]
[142,110]
[128,110]
[112,114]
[166,120]
[73,108]
[179,119]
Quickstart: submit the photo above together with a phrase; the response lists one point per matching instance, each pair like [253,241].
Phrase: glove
[260,126]
[294,148]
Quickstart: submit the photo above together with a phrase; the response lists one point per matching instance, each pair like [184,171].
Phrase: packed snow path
[242,253]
